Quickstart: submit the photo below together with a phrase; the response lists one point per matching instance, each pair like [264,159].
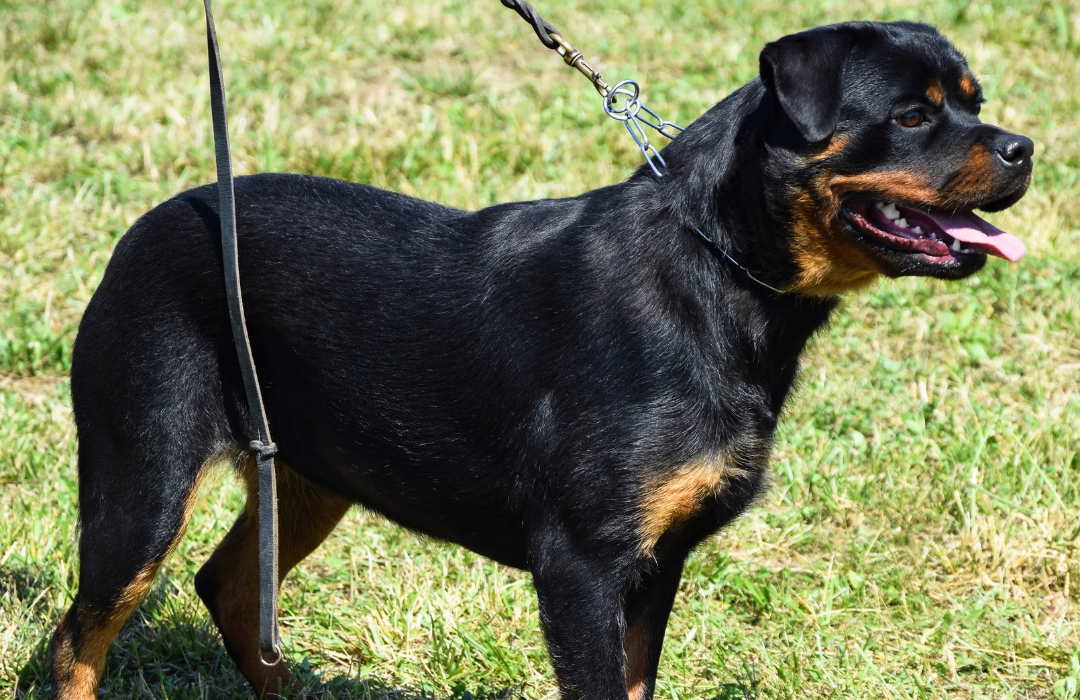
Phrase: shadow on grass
[737,691]
[164,651]
[369,689]
[745,684]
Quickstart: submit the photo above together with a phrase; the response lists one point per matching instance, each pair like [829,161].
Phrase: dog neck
[714,185]
[716,182]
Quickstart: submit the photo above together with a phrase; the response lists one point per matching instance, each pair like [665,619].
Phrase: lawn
[920,539]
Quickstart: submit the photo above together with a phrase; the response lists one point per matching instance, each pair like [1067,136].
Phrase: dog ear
[804,72]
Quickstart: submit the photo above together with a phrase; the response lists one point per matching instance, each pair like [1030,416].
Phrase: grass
[920,539]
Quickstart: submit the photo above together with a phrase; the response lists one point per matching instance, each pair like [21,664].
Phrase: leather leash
[262,446]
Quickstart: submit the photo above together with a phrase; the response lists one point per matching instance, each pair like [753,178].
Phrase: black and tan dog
[583,388]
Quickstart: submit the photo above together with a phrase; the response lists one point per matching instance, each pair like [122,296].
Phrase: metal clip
[573,58]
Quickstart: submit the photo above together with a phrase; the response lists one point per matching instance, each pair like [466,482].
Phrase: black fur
[517,379]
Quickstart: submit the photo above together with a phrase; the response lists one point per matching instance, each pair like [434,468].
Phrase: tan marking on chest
[672,498]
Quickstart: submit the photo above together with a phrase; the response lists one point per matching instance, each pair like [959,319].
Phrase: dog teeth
[955,245]
[902,223]
[889,210]
[918,230]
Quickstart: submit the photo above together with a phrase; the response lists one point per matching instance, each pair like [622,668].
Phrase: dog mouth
[937,235]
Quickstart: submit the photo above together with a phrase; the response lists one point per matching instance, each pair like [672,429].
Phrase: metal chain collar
[622,102]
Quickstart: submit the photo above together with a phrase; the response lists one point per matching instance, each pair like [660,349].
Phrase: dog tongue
[981,235]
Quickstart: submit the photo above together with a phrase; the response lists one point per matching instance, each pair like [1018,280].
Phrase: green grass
[920,539]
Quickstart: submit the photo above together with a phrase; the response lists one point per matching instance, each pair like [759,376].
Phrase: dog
[584,388]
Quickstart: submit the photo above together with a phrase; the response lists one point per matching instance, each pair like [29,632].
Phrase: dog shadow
[163,652]
[739,689]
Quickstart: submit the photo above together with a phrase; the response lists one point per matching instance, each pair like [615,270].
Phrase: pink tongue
[981,235]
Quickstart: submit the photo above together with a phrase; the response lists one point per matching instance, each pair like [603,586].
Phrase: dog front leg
[648,605]
[581,609]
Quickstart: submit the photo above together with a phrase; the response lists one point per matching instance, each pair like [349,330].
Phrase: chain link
[629,112]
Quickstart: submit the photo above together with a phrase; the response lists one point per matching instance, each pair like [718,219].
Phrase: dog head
[876,157]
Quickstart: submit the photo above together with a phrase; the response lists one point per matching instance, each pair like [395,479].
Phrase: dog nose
[1015,150]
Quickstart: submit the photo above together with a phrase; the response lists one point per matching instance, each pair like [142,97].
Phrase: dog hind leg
[133,512]
[229,581]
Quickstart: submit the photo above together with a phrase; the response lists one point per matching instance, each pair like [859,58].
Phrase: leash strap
[541,26]
[262,446]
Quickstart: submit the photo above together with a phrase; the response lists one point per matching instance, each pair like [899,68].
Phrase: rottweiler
[584,388]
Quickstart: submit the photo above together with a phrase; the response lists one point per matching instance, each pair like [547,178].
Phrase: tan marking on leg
[79,663]
[636,646]
[674,497]
[306,515]
[72,680]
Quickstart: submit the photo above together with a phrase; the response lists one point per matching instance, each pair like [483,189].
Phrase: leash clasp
[574,58]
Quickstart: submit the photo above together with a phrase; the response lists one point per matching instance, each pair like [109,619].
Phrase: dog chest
[708,491]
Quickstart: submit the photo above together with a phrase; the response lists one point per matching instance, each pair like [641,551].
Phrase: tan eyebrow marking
[968,88]
[935,95]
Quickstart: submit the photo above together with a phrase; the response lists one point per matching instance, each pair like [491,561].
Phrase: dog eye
[911,118]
